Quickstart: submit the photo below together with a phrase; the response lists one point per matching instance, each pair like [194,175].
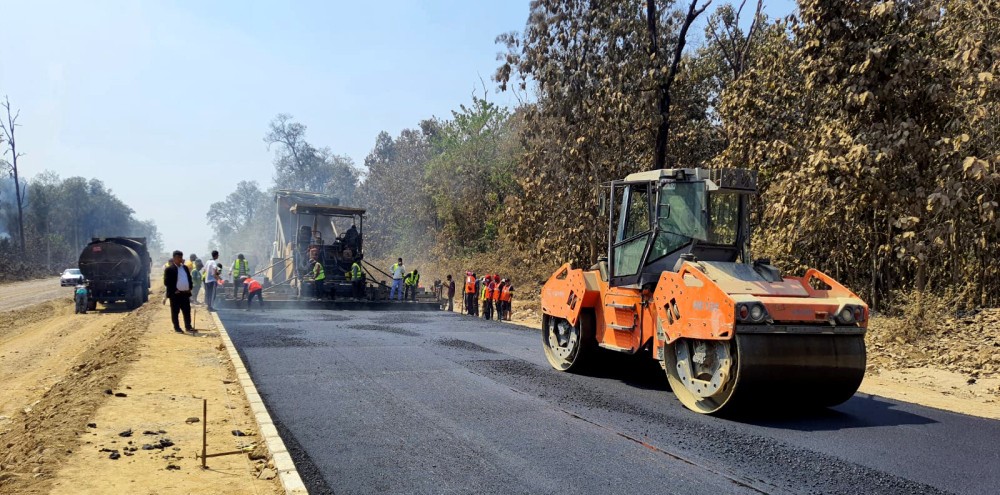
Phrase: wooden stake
[204,433]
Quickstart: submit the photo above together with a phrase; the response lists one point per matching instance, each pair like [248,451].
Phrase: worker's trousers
[470,303]
[488,309]
[397,288]
[237,283]
[210,294]
[259,294]
[81,303]
[180,302]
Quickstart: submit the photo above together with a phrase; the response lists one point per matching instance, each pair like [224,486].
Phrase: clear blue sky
[168,102]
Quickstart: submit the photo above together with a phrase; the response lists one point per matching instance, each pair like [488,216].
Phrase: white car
[71,277]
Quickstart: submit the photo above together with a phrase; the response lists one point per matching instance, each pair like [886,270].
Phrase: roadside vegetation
[60,216]
[873,125]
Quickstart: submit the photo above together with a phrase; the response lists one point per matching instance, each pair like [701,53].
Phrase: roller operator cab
[678,281]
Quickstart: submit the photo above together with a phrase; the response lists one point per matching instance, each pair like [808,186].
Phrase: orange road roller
[678,282]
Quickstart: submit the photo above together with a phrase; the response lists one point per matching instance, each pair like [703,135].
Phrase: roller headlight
[847,315]
[850,315]
[751,312]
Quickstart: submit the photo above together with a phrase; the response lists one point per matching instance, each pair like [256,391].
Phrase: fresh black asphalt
[431,402]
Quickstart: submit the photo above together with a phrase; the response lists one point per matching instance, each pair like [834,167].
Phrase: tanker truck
[117,270]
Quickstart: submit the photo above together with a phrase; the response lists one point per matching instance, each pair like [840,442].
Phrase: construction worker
[318,275]
[470,293]
[506,295]
[487,298]
[213,278]
[397,272]
[479,294]
[410,282]
[497,304]
[450,288]
[357,278]
[197,276]
[80,296]
[254,289]
[239,271]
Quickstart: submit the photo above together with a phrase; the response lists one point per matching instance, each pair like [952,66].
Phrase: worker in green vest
[357,278]
[318,275]
[240,271]
[410,283]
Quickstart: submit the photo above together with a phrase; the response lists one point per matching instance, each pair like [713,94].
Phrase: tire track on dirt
[46,433]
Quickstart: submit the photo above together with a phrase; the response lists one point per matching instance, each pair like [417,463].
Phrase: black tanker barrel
[112,259]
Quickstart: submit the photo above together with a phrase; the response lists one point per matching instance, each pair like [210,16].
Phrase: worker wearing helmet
[318,275]
[488,287]
[255,290]
[410,282]
[357,278]
[498,300]
[506,296]
[240,271]
[470,293]
[497,287]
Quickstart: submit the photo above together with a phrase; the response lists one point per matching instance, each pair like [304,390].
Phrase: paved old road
[18,295]
[398,402]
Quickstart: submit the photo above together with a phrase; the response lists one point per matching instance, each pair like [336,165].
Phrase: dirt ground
[18,295]
[958,370]
[74,384]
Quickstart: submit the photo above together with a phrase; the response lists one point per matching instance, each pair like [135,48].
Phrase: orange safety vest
[505,294]
[496,292]
[470,284]
[254,286]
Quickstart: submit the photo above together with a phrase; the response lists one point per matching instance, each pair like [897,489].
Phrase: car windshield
[72,271]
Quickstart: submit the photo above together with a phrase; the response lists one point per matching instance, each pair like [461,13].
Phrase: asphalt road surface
[17,295]
[400,402]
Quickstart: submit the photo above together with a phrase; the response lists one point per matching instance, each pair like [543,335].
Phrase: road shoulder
[128,417]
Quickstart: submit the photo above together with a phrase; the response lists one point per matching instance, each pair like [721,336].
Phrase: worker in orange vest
[497,287]
[506,295]
[489,286]
[470,293]
[254,289]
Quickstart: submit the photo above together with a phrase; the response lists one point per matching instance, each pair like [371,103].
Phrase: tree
[8,128]
[608,76]
[872,124]
[725,33]
[400,214]
[299,165]
[471,175]
[663,105]
[61,216]
[243,221]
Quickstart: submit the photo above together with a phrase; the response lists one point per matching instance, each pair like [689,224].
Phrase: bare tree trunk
[8,130]
[652,22]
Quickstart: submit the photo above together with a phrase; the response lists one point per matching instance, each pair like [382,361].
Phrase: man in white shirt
[177,280]
[213,272]
[398,271]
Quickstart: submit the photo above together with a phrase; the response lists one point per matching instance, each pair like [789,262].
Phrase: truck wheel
[569,347]
[135,299]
